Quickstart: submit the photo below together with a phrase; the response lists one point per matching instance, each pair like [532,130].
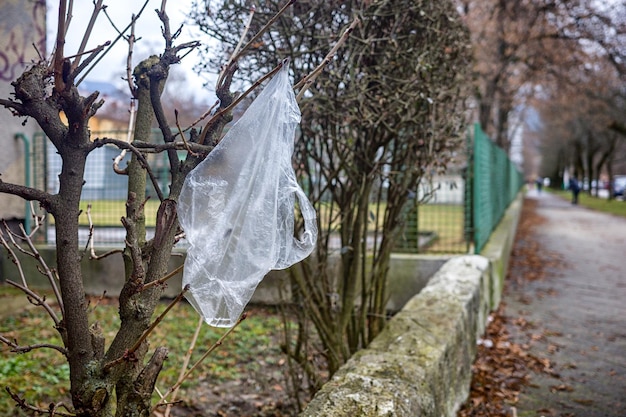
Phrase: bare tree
[523,44]
[577,133]
[119,379]
[385,114]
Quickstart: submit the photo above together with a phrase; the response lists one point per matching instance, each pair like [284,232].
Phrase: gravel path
[575,314]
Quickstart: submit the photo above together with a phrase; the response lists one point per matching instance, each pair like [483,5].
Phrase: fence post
[468,207]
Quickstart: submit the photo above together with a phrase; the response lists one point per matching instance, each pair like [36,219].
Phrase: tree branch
[308,80]
[17,108]
[226,110]
[235,58]
[27,193]
[97,143]
[83,44]
[24,349]
[38,301]
[52,411]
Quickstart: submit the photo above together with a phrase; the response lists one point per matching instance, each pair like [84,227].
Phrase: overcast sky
[113,66]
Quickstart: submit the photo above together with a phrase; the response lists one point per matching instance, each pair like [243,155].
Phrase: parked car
[619,185]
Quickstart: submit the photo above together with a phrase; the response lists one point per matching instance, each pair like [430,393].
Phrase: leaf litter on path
[502,368]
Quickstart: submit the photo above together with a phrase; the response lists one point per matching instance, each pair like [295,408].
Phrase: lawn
[109,212]
[615,207]
[42,375]
[447,221]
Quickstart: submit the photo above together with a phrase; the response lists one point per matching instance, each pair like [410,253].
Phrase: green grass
[109,212]
[615,207]
[42,375]
[448,222]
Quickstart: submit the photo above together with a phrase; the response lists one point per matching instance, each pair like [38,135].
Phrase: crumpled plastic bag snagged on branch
[237,208]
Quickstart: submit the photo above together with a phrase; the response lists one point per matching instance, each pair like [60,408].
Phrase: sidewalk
[575,315]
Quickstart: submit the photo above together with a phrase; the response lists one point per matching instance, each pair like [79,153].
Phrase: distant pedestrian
[574,187]
[539,183]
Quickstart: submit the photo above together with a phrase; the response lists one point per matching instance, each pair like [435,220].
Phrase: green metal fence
[449,214]
[495,183]
[467,204]
[435,219]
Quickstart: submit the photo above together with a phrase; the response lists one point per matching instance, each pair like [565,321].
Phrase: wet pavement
[575,315]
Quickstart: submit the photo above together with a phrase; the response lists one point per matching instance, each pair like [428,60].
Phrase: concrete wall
[420,364]
[410,273]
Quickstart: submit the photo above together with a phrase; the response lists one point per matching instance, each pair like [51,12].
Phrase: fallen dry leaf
[562,387]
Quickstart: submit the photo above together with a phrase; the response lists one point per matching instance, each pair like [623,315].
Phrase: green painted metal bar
[27,179]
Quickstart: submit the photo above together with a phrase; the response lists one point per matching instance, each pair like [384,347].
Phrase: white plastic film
[237,208]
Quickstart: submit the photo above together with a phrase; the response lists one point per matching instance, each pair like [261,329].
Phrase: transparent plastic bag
[237,208]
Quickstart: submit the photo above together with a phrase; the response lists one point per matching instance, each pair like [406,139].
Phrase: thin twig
[308,80]
[13,256]
[38,300]
[24,349]
[119,36]
[160,281]
[91,231]
[91,51]
[21,403]
[252,41]
[129,58]
[34,254]
[37,219]
[69,16]
[238,100]
[106,254]
[104,294]
[199,361]
[12,235]
[182,136]
[129,134]
[46,270]
[236,51]
[90,240]
[209,112]
[93,54]
[185,364]
[83,44]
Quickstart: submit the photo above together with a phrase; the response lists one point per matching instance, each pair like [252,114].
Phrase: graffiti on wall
[22,35]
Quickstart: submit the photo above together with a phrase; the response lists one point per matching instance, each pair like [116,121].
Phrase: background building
[23,40]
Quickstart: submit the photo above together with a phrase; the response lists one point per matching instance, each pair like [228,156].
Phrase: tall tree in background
[510,42]
[577,132]
[524,44]
[386,113]
[580,92]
